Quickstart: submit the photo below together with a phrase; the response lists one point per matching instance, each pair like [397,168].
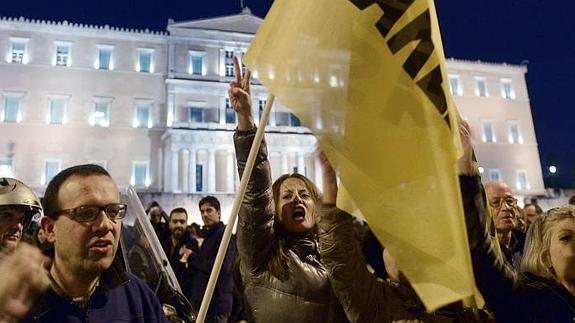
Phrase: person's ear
[48,227]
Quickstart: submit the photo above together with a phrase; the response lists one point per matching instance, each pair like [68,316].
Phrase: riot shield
[144,257]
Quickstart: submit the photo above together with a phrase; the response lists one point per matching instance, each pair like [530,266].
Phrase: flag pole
[236,207]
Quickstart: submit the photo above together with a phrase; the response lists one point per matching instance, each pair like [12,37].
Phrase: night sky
[536,32]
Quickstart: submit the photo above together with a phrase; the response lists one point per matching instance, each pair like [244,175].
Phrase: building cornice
[479,65]
[69,28]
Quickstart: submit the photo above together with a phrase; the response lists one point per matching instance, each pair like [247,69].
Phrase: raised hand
[240,97]
[465,163]
[23,276]
[329,195]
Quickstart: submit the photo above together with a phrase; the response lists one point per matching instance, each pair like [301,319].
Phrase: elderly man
[502,205]
[83,219]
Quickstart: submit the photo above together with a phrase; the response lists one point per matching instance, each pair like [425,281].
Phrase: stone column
[211,172]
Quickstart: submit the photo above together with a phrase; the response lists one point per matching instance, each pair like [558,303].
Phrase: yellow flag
[368,78]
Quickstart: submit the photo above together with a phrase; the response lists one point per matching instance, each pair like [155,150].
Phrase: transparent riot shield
[144,257]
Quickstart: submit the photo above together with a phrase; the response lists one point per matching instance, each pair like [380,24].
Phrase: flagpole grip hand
[240,97]
[329,196]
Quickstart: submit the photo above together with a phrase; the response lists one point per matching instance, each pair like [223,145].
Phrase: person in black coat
[543,290]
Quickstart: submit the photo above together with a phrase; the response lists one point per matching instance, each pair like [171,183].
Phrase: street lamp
[552,169]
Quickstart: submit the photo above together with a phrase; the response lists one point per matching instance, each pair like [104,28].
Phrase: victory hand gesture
[240,97]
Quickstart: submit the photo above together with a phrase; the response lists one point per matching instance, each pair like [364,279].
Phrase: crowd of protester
[296,256]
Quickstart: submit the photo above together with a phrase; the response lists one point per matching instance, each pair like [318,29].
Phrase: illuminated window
[58,110]
[507,89]
[101,115]
[196,63]
[11,109]
[522,183]
[62,54]
[454,85]
[229,63]
[105,61]
[488,135]
[514,132]
[145,56]
[480,86]
[199,178]
[18,50]
[6,167]
[494,174]
[51,168]
[140,176]
[143,117]
[230,113]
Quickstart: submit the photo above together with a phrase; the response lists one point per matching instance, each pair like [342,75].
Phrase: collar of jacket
[214,228]
[111,278]
[303,244]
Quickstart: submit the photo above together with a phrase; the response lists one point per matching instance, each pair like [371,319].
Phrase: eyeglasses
[509,201]
[89,213]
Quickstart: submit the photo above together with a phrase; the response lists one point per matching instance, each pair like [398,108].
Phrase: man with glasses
[503,209]
[83,219]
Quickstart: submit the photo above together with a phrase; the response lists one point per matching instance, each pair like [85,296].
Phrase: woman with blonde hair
[283,279]
[544,290]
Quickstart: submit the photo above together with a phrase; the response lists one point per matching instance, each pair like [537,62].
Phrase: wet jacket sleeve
[255,225]
[496,280]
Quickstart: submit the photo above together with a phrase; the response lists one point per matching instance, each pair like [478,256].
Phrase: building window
[196,63]
[101,115]
[230,113]
[199,178]
[295,122]
[494,175]
[143,116]
[488,135]
[57,110]
[140,174]
[507,89]
[18,50]
[62,54]
[262,106]
[283,118]
[454,85]
[522,183]
[11,110]
[6,167]
[145,56]
[514,132]
[51,168]
[196,111]
[105,61]
[229,63]
[480,86]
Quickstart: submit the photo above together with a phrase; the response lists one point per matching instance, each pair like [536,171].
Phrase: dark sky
[539,32]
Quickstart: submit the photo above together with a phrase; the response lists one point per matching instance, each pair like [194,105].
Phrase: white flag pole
[236,207]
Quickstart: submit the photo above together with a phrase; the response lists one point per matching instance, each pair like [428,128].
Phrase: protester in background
[158,218]
[277,242]
[178,246]
[88,284]
[531,212]
[502,205]
[18,205]
[201,264]
[544,290]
